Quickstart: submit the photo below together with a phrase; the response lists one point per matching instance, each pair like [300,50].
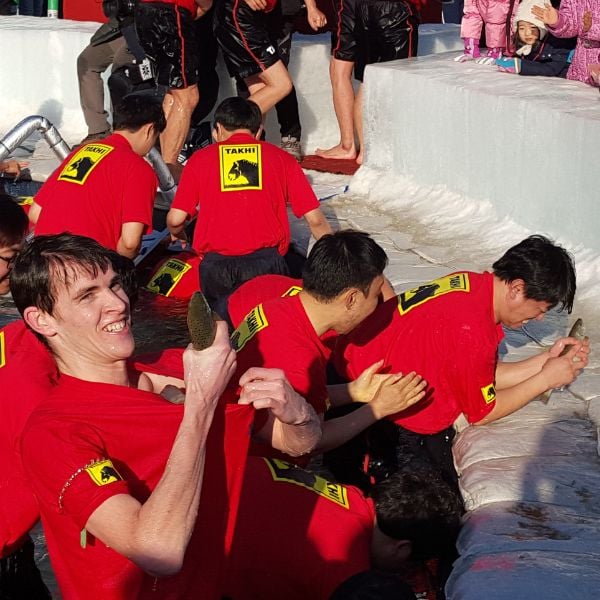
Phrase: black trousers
[20,579]
[220,275]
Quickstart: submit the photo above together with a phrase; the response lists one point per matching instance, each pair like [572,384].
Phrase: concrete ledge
[528,145]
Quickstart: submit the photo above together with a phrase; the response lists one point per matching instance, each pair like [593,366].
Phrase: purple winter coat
[570,24]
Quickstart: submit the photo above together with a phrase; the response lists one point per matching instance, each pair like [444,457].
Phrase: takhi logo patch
[240,167]
[103,473]
[459,282]
[82,163]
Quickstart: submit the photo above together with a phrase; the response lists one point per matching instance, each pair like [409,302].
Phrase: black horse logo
[164,282]
[246,169]
[81,167]
[108,473]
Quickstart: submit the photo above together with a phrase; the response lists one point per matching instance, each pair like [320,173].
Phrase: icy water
[158,323]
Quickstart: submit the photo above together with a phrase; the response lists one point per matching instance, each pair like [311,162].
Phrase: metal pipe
[167,184]
[12,140]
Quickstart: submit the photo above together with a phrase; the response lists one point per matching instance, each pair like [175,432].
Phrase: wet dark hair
[50,259]
[420,507]
[135,111]
[340,261]
[373,585]
[547,269]
[13,221]
[237,113]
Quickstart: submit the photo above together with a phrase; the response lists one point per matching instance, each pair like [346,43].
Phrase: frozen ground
[531,481]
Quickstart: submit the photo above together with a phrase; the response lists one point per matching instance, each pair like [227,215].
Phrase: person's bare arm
[176,219]
[395,394]
[131,239]
[155,535]
[202,7]
[293,426]
[317,223]
[509,374]
[34,212]
[315,17]
[556,372]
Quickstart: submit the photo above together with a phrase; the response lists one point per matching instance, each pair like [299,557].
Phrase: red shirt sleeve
[73,474]
[138,195]
[300,193]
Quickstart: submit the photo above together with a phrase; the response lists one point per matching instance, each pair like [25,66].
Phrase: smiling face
[528,34]
[91,319]
[7,256]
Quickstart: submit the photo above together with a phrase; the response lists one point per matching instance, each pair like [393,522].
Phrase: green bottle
[53,9]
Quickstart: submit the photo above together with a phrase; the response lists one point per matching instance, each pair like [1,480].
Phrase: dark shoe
[292,146]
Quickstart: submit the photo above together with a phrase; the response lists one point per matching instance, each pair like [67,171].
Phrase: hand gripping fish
[577,332]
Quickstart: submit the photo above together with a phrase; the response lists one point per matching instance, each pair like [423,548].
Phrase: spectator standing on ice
[537,53]
[493,14]
[365,33]
[106,48]
[166,33]
[579,18]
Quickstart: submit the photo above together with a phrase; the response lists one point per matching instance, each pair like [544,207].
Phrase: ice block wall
[528,145]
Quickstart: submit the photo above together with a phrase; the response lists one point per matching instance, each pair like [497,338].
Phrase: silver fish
[577,332]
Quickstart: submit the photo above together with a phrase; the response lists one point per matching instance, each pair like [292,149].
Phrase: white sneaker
[292,146]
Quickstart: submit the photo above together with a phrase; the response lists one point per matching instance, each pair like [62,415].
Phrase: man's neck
[113,373]
[317,312]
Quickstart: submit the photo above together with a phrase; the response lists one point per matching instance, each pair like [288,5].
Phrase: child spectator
[537,53]
[579,18]
[494,14]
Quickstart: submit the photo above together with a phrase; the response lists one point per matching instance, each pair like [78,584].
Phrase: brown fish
[577,332]
[201,322]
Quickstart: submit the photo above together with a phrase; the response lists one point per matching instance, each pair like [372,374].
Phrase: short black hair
[49,259]
[13,221]
[547,269]
[373,585]
[340,261]
[135,111]
[238,113]
[420,507]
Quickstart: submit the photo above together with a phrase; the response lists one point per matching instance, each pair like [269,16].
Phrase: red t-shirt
[27,373]
[257,290]
[444,330]
[97,189]
[188,4]
[90,441]
[240,189]
[298,536]
[278,334]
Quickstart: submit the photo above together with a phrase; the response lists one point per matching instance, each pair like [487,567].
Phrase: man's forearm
[338,431]
[512,399]
[298,439]
[510,374]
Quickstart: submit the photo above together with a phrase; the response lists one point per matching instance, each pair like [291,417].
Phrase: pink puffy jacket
[491,12]
[570,24]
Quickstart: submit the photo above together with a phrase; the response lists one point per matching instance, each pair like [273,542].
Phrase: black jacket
[550,57]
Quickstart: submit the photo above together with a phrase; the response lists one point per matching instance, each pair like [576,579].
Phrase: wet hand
[207,372]
[13,167]
[269,388]
[367,384]
[397,394]
[548,14]
[562,370]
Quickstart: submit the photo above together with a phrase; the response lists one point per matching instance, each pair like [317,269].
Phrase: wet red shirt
[90,441]
[97,189]
[27,374]
[240,190]
[444,330]
[298,536]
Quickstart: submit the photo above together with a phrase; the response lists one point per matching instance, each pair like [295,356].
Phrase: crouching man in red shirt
[125,490]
